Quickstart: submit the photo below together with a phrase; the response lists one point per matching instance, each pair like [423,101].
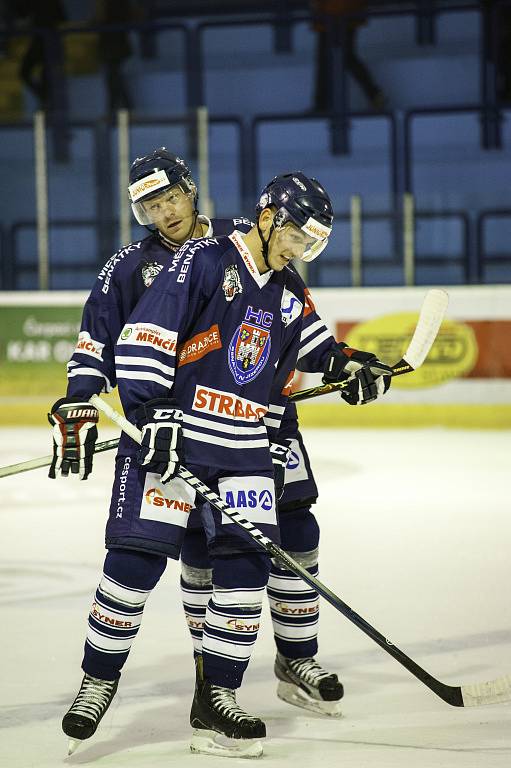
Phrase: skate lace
[224,701]
[308,669]
[93,697]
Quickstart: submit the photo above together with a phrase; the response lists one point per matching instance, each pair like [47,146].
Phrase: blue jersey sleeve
[316,341]
[118,287]
[91,369]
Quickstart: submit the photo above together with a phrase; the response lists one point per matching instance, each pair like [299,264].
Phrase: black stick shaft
[450,694]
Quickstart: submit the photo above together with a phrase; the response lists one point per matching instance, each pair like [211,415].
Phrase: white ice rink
[416,537]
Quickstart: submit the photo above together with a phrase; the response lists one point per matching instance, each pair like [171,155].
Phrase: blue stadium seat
[305,145]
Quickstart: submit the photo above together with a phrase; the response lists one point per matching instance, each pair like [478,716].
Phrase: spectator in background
[500,36]
[114,48]
[34,67]
[326,13]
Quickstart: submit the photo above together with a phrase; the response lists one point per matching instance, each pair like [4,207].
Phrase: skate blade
[213,743]
[73,745]
[292,694]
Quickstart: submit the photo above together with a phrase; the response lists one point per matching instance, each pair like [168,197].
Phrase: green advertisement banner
[35,344]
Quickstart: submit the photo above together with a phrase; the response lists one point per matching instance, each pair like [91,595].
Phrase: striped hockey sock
[230,631]
[116,613]
[196,594]
[294,609]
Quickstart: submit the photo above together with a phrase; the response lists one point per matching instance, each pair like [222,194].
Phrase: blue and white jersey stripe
[315,344]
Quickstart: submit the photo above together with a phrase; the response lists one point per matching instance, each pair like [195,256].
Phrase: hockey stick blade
[430,319]
[45,461]
[491,692]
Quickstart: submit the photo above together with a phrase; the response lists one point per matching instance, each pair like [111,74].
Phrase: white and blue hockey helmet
[302,201]
[154,173]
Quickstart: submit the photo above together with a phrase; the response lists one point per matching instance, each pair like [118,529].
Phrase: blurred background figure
[500,31]
[35,66]
[327,13]
[114,48]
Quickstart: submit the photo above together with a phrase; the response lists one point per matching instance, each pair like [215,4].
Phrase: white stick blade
[431,315]
[493,692]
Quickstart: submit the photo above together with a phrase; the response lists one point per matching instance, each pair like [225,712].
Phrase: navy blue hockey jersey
[221,339]
[117,289]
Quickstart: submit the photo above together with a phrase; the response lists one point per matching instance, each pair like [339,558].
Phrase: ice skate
[84,715]
[220,726]
[304,683]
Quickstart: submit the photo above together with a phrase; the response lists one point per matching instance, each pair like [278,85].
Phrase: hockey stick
[45,461]
[491,692]
[430,318]
[431,315]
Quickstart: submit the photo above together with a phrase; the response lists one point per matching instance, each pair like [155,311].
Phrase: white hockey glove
[368,377]
[161,448]
[279,455]
[74,437]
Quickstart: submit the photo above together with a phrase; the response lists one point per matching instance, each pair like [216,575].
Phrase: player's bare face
[286,244]
[172,213]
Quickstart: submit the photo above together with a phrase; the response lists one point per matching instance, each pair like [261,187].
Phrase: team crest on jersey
[290,307]
[232,282]
[250,346]
[149,271]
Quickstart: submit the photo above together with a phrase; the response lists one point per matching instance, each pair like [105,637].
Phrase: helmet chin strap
[265,243]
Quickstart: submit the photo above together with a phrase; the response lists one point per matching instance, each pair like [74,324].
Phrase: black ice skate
[220,726]
[304,683]
[84,716]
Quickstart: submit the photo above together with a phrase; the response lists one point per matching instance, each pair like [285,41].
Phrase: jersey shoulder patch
[290,307]
[150,270]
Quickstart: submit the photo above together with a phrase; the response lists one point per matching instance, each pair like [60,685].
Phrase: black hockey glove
[368,377]
[74,437]
[161,449]
[279,455]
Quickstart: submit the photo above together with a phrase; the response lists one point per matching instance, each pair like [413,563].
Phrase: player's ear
[265,219]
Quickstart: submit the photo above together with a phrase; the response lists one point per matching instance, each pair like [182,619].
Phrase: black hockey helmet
[303,201]
[152,174]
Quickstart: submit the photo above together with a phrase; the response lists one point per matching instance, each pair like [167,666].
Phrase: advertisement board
[465,381]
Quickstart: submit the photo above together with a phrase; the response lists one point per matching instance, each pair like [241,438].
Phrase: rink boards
[464,382]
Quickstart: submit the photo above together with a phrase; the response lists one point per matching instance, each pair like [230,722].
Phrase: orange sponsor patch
[155,497]
[227,404]
[199,345]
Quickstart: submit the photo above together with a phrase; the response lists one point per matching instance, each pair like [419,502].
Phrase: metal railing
[484,257]
[356,274]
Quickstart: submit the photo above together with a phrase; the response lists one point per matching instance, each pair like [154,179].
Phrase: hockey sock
[196,591]
[294,607]
[116,613]
[233,615]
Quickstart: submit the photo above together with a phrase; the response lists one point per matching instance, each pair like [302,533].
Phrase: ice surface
[416,527]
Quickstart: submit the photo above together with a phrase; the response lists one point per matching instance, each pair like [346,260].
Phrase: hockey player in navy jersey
[294,605]
[164,198]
